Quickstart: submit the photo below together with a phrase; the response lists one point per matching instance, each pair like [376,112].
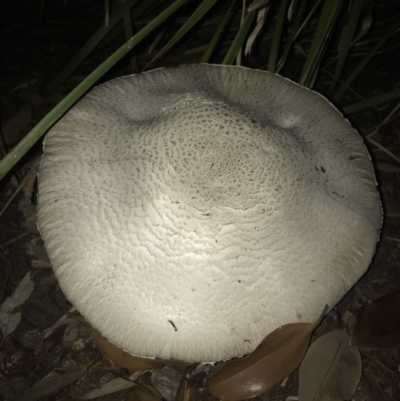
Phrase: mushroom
[189,212]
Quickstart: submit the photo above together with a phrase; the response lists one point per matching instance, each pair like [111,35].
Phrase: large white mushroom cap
[189,212]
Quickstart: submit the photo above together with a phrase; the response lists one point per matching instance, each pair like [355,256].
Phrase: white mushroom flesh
[189,212]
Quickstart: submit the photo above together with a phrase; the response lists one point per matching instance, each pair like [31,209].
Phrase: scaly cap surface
[189,212]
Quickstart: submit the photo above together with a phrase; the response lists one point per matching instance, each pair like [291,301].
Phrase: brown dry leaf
[184,390]
[49,385]
[111,387]
[9,318]
[143,392]
[36,248]
[275,358]
[378,325]
[331,369]
[122,358]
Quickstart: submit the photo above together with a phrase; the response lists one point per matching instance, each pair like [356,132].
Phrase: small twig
[385,120]
[64,319]
[71,368]
[9,242]
[377,361]
[388,152]
[393,239]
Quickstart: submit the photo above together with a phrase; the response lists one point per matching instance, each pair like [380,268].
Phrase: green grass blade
[53,85]
[128,29]
[391,30]
[242,17]
[372,102]
[199,13]
[325,25]
[217,35]
[293,33]
[9,161]
[239,38]
[345,42]
[137,11]
[127,21]
[277,38]
[365,24]
[257,4]
[106,13]
[156,40]
[383,149]
[392,116]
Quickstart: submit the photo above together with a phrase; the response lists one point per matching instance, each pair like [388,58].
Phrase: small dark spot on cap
[173,325]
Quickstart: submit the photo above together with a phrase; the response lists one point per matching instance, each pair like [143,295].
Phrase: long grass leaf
[106,13]
[156,40]
[140,8]
[242,17]
[365,25]
[345,42]
[239,38]
[292,8]
[260,21]
[366,59]
[217,35]
[372,102]
[127,21]
[9,161]
[295,28]
[325,25]
[383,149]
[53,85]
[199,13]
[257,4]
[128,28]
[277,38]
[392,116]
